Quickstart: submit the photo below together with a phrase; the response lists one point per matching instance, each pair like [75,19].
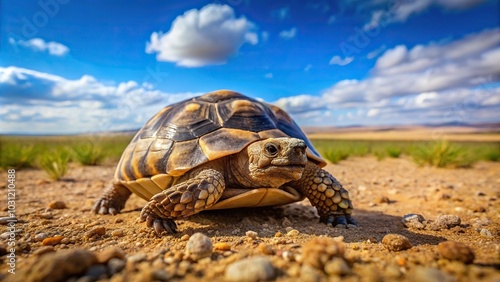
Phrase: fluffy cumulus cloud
[203,37]
[54,104]
[388,11]
[40,45]
[457,79]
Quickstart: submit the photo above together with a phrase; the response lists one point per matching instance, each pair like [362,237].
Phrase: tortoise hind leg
[327,195]
[182,200]
[112,200]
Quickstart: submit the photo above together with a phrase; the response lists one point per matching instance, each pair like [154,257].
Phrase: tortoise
[222,150]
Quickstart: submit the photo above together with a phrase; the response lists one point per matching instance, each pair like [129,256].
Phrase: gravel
[415,221]
[251,269]
[445,222]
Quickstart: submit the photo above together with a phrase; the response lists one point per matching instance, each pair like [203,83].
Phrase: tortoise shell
[192,132]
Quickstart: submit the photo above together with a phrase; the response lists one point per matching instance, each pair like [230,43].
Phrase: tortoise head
[273,162]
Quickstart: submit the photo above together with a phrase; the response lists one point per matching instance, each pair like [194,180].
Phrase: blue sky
[90,66]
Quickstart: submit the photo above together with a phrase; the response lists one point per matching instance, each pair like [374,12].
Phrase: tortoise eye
[271,150]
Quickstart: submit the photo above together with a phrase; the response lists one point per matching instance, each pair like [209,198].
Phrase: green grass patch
[88,153]
[55,162]
[442,153]
[335,155]
[17,156]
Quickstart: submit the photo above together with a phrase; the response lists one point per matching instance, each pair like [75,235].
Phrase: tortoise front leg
[326,194]
[182,200]
[112,200]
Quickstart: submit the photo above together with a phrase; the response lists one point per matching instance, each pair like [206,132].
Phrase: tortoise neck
[239,173]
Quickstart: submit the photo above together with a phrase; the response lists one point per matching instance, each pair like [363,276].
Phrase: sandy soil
[382,193]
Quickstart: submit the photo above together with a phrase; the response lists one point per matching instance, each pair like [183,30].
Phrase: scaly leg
[112,200]
[182,200]
[326,194]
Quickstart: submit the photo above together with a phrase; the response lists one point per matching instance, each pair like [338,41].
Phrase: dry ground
[382,192]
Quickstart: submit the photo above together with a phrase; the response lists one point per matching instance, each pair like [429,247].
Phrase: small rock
[57,205]
[97,231]
[286,222]
[486,233]
[6,219]
[310,274]
[137,258]
[265,249]
[445,222]
[117,233]
[396,242]
[251,234]
[251,269]
[46,215]
[337,266]
[199,246]
[278,234]
[97,272]
[222,246]
[415,221]
[116,265]
[161,275]
[41,236]
[109,253]
[43,250]
[452,250]
[320,250]
[383,200]
[185,237]
[52,241]
[58,266]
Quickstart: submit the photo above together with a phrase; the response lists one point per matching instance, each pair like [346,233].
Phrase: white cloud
[437,82]
[288,33]
[203,37]
[400,11]
[337,60]
[54,104]
[40,45]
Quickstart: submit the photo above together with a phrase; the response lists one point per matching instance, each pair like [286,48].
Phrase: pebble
[116,265]
[97,231]
[383,200]
[486,233]
[41,236]
[185,237]
[52,241]
[96,272]
[251,234]
[117,233]
[445,222]
[265,249]
[57,205]
[58,266]
[396,242]
[46,215]
[257,268]
[278,234]
[415,221]
[43,250]
[137,258]
[199,246]
[6,219]
[452,250]
[320,250]
[337,266]
[293,233]
[222,246]
[110,253]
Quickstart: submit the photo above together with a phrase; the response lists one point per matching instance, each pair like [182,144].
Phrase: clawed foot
[104,206]
[335,220]
[160,225]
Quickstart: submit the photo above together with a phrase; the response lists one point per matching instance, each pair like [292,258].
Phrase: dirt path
[382,192]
